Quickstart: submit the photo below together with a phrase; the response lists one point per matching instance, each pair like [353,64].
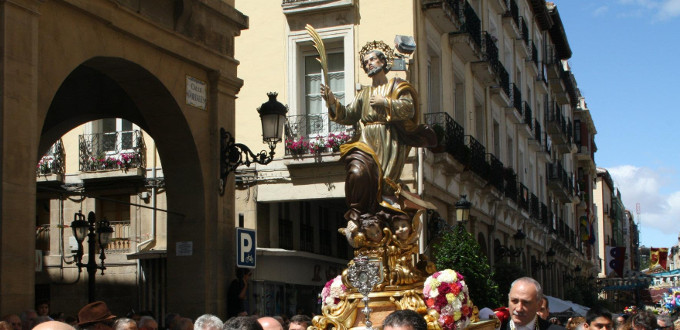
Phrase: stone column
[19,133]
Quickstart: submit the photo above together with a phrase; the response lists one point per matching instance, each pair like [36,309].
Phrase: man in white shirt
[524,302]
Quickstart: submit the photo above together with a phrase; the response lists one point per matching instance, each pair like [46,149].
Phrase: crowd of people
[528,309]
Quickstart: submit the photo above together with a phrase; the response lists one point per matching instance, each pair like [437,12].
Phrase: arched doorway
[116,88]
[69,63]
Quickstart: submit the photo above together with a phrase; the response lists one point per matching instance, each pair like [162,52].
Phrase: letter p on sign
[245,248]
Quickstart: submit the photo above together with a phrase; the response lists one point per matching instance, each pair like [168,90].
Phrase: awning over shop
[559,306]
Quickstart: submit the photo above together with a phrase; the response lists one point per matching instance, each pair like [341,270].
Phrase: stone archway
[65,63]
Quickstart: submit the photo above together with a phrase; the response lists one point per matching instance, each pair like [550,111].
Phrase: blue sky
[626,60]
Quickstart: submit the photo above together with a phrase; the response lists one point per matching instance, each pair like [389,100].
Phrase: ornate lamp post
[463,209]
[273,116]
[509,251]
[96,231]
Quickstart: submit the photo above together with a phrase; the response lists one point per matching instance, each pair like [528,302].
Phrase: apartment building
[515,135]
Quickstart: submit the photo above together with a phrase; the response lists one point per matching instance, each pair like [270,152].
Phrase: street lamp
[463,209]
[550,260]
[273,116]
[505,251]
[96,232]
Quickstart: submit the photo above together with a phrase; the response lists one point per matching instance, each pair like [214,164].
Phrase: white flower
[434,293]
[446,276]
[456,304]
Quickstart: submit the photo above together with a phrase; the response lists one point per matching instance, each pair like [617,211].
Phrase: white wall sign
[197,93]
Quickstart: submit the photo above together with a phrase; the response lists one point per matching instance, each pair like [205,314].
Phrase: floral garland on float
[333,292]
[448,300]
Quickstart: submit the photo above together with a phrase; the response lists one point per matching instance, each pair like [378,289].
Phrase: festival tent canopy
[559,306]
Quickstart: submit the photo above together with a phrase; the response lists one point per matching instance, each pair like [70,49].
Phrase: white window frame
[297,41]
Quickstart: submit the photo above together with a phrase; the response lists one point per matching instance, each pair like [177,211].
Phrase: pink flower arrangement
[333,141]
[332,292]
[446,292]
[297,147]
[317,145]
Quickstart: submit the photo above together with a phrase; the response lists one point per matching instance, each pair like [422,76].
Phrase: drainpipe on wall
[152,239]
[421,187]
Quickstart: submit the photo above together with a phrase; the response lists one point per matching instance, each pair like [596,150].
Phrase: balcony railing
[534,206]
[504,78]
[527,114]
[537,131]
[120,241]
[534,53]
[510,179]
[472,24]
[490,51]
[477,161]
[315,133]
[53,162]
[517,98]
[449,135]
[121,150]
[495,172]
[544,214]
[524,30]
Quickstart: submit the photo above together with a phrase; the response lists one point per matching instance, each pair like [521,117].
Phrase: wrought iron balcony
[450,135]
[511,18]
[477,157]
[468,39]
[53,162]
[514,112]
[121,150]
[559,181]
[528,120]
[533,53]
[544,214]
[537,131]
[314,134]
[488,69]
[523,199]
[534,207]
[495,172]
[524,30]
[510,179]
[445,14]
[559,127]
[504,78]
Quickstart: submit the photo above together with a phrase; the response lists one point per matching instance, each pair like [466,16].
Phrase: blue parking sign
[245,247]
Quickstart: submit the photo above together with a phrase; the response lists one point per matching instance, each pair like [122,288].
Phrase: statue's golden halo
[381,46]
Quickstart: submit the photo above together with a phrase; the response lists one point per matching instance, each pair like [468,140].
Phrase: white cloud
[659,211]
[600,10]
[669,9]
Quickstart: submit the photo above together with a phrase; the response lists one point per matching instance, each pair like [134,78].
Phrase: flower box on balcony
[50,177]
[113,173]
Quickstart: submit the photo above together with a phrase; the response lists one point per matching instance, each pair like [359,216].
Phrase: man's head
[29,319]
[53,325]
[598,319]
[299,322]
[621,320]
[544,310]
[270,323]
[208,322]
[147,323]
[374,62]
[13,320]
[404,320]
[183,323]
[644,320]
[523,300]
[242,323]
[125,323]
[42,308]
[664,322]
[96,316]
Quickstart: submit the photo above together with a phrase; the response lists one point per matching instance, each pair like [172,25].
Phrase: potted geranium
[297,147]
[317,145]
[335,140]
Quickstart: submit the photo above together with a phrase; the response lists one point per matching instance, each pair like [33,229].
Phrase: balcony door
[318,122]
[117,135]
